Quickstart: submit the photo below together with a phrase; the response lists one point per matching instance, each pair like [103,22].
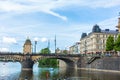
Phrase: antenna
[55,43]
[48,43]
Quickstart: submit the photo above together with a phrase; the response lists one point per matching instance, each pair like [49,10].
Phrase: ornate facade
[96,40]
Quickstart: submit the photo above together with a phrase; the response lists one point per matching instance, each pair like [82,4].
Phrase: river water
[12,71]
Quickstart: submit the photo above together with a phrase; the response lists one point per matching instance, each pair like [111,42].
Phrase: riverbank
[100,70]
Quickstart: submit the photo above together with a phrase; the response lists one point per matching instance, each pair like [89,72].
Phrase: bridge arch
[69,62]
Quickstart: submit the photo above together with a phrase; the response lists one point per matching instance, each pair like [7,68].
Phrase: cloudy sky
[41,20]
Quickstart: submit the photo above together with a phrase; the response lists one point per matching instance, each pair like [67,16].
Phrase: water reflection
[10,71]
[52,74]
[26,74]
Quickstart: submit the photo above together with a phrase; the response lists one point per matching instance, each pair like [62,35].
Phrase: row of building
[95,41]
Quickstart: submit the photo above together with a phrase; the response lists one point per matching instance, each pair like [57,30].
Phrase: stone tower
[27,48]
[118,26]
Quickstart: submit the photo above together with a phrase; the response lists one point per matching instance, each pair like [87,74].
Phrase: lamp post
[35,46]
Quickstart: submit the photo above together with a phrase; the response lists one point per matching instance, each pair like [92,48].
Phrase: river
[12,71]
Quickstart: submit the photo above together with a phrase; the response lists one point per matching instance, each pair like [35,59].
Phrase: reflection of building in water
[27,48]
[26,75]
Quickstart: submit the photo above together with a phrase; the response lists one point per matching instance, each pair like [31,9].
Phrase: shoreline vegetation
[47,62]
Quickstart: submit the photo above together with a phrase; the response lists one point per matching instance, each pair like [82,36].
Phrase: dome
[28,42]
[96,28]
[83,35]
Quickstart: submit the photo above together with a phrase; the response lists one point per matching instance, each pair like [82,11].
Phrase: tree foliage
[45,51]
[65,51]
[117,44]
[110,43]
[47,62]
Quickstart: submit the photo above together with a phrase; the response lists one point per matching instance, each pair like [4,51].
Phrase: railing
[40,54]
[105,54]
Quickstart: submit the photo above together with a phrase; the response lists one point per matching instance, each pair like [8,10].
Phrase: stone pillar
[27,63]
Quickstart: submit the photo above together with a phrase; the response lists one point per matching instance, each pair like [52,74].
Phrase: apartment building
[95,41]
[75,49]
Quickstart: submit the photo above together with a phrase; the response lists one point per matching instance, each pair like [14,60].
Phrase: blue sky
[41,20]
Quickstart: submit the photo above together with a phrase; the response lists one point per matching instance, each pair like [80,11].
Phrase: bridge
[28,60]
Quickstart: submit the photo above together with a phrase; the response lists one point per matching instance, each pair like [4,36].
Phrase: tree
[110,43]
[47,62]
[117,44]
[45,51]
[65,51]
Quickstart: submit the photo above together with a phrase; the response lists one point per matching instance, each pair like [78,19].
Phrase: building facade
[75,49]
[27,47]
[96,40]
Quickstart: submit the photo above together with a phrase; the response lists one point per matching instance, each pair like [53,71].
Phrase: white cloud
[44,39]
[9,40]
[4,49]
[36,39]
[29,6]
[48,6]
[110,23]
[103,3]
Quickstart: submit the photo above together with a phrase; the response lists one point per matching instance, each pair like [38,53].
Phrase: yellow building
[118,26]
[27,48]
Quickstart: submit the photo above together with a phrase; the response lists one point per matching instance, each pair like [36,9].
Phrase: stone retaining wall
[105,63]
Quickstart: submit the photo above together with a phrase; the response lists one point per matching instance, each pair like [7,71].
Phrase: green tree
[47,62]
[65,51]
[117,44]
[45,51]
[110,43]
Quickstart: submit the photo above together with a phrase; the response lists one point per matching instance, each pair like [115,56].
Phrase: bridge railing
[11,53]
[53,54]
[102,54]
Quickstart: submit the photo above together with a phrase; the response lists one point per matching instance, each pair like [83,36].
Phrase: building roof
[28,42]
[83,35]
[96,29]
[110,31]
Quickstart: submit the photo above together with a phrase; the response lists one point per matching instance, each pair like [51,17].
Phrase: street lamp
[35,45]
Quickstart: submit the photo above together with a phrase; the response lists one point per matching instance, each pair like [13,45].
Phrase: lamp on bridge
[35,45]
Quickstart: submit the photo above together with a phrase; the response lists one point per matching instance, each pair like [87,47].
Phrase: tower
[27,47]
[118,26]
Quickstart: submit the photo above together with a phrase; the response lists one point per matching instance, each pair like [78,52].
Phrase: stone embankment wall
[105,63]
